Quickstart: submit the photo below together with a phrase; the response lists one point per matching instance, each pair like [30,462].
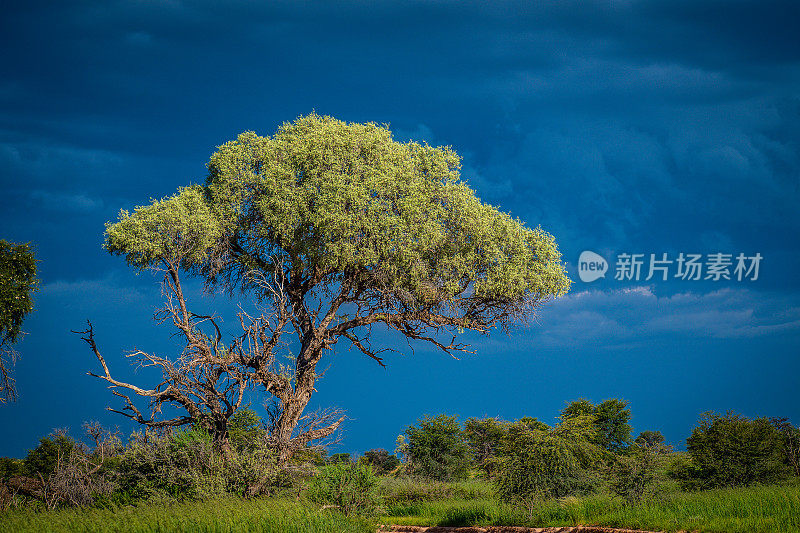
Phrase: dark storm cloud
[639,126]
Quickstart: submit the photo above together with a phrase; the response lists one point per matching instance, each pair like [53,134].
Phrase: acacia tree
[611,418]
[17,284]
[336,229]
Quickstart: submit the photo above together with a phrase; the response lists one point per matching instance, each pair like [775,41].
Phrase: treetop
[332,201]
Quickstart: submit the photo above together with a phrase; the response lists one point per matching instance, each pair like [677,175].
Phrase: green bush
[45,457]
[484,436]
[790,435]
[254,471]
[640,473]
[610,419]
[381,461]
[436,449]
[350,487]
[537,464]
[10,467]
[185,465]
[181,465]
[245,430]
[732,450]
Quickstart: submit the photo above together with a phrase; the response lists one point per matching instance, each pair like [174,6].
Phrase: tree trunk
[293,407]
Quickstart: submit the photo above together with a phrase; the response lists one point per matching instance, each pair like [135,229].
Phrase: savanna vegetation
[737,474]
[326,232]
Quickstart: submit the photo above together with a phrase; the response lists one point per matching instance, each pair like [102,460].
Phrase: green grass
[770,509]
[224,515]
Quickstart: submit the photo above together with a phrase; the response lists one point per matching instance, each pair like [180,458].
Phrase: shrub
[338,458]
[733,450]
[436,449]
[349,487]
[381,461]
[180,465]
[245,430]
[639,473]
[484,436]
[44,459]
[254,471]
[790,435]
[538,464]
[10,467]
[611,419]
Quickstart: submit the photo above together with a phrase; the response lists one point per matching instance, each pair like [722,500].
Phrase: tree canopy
[611,419]
[335,227]
[18,282]
[345,202]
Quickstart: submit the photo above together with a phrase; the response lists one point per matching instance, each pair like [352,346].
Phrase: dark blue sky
[621,127]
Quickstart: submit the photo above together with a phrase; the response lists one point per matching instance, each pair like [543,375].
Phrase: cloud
[55,201]
[84,295]
[37,162]
[636,314]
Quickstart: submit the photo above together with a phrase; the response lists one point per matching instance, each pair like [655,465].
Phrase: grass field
[216,516]
[769,509]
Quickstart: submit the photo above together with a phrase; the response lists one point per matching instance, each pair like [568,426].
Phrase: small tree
[790,435]
[733,450]
[611,418]
[437,450]
[382,461]
[484,437]
[337,230]
[650,438]
[537,463]
[639,473]
[18,282]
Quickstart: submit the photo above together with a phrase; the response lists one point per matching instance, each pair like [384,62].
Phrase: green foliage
[790,436]
[484,436]
[611,418]
[339,458]
[184,465]
[180,465]
[733,450]
[331,197]
[640,473]
[382,461]
[535,464]
[436,449]
[682,470]
[581,407]
[43,459]
[350,487]
[245,429]
[649,438]
[181,229]
[17,284]
[10,467]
